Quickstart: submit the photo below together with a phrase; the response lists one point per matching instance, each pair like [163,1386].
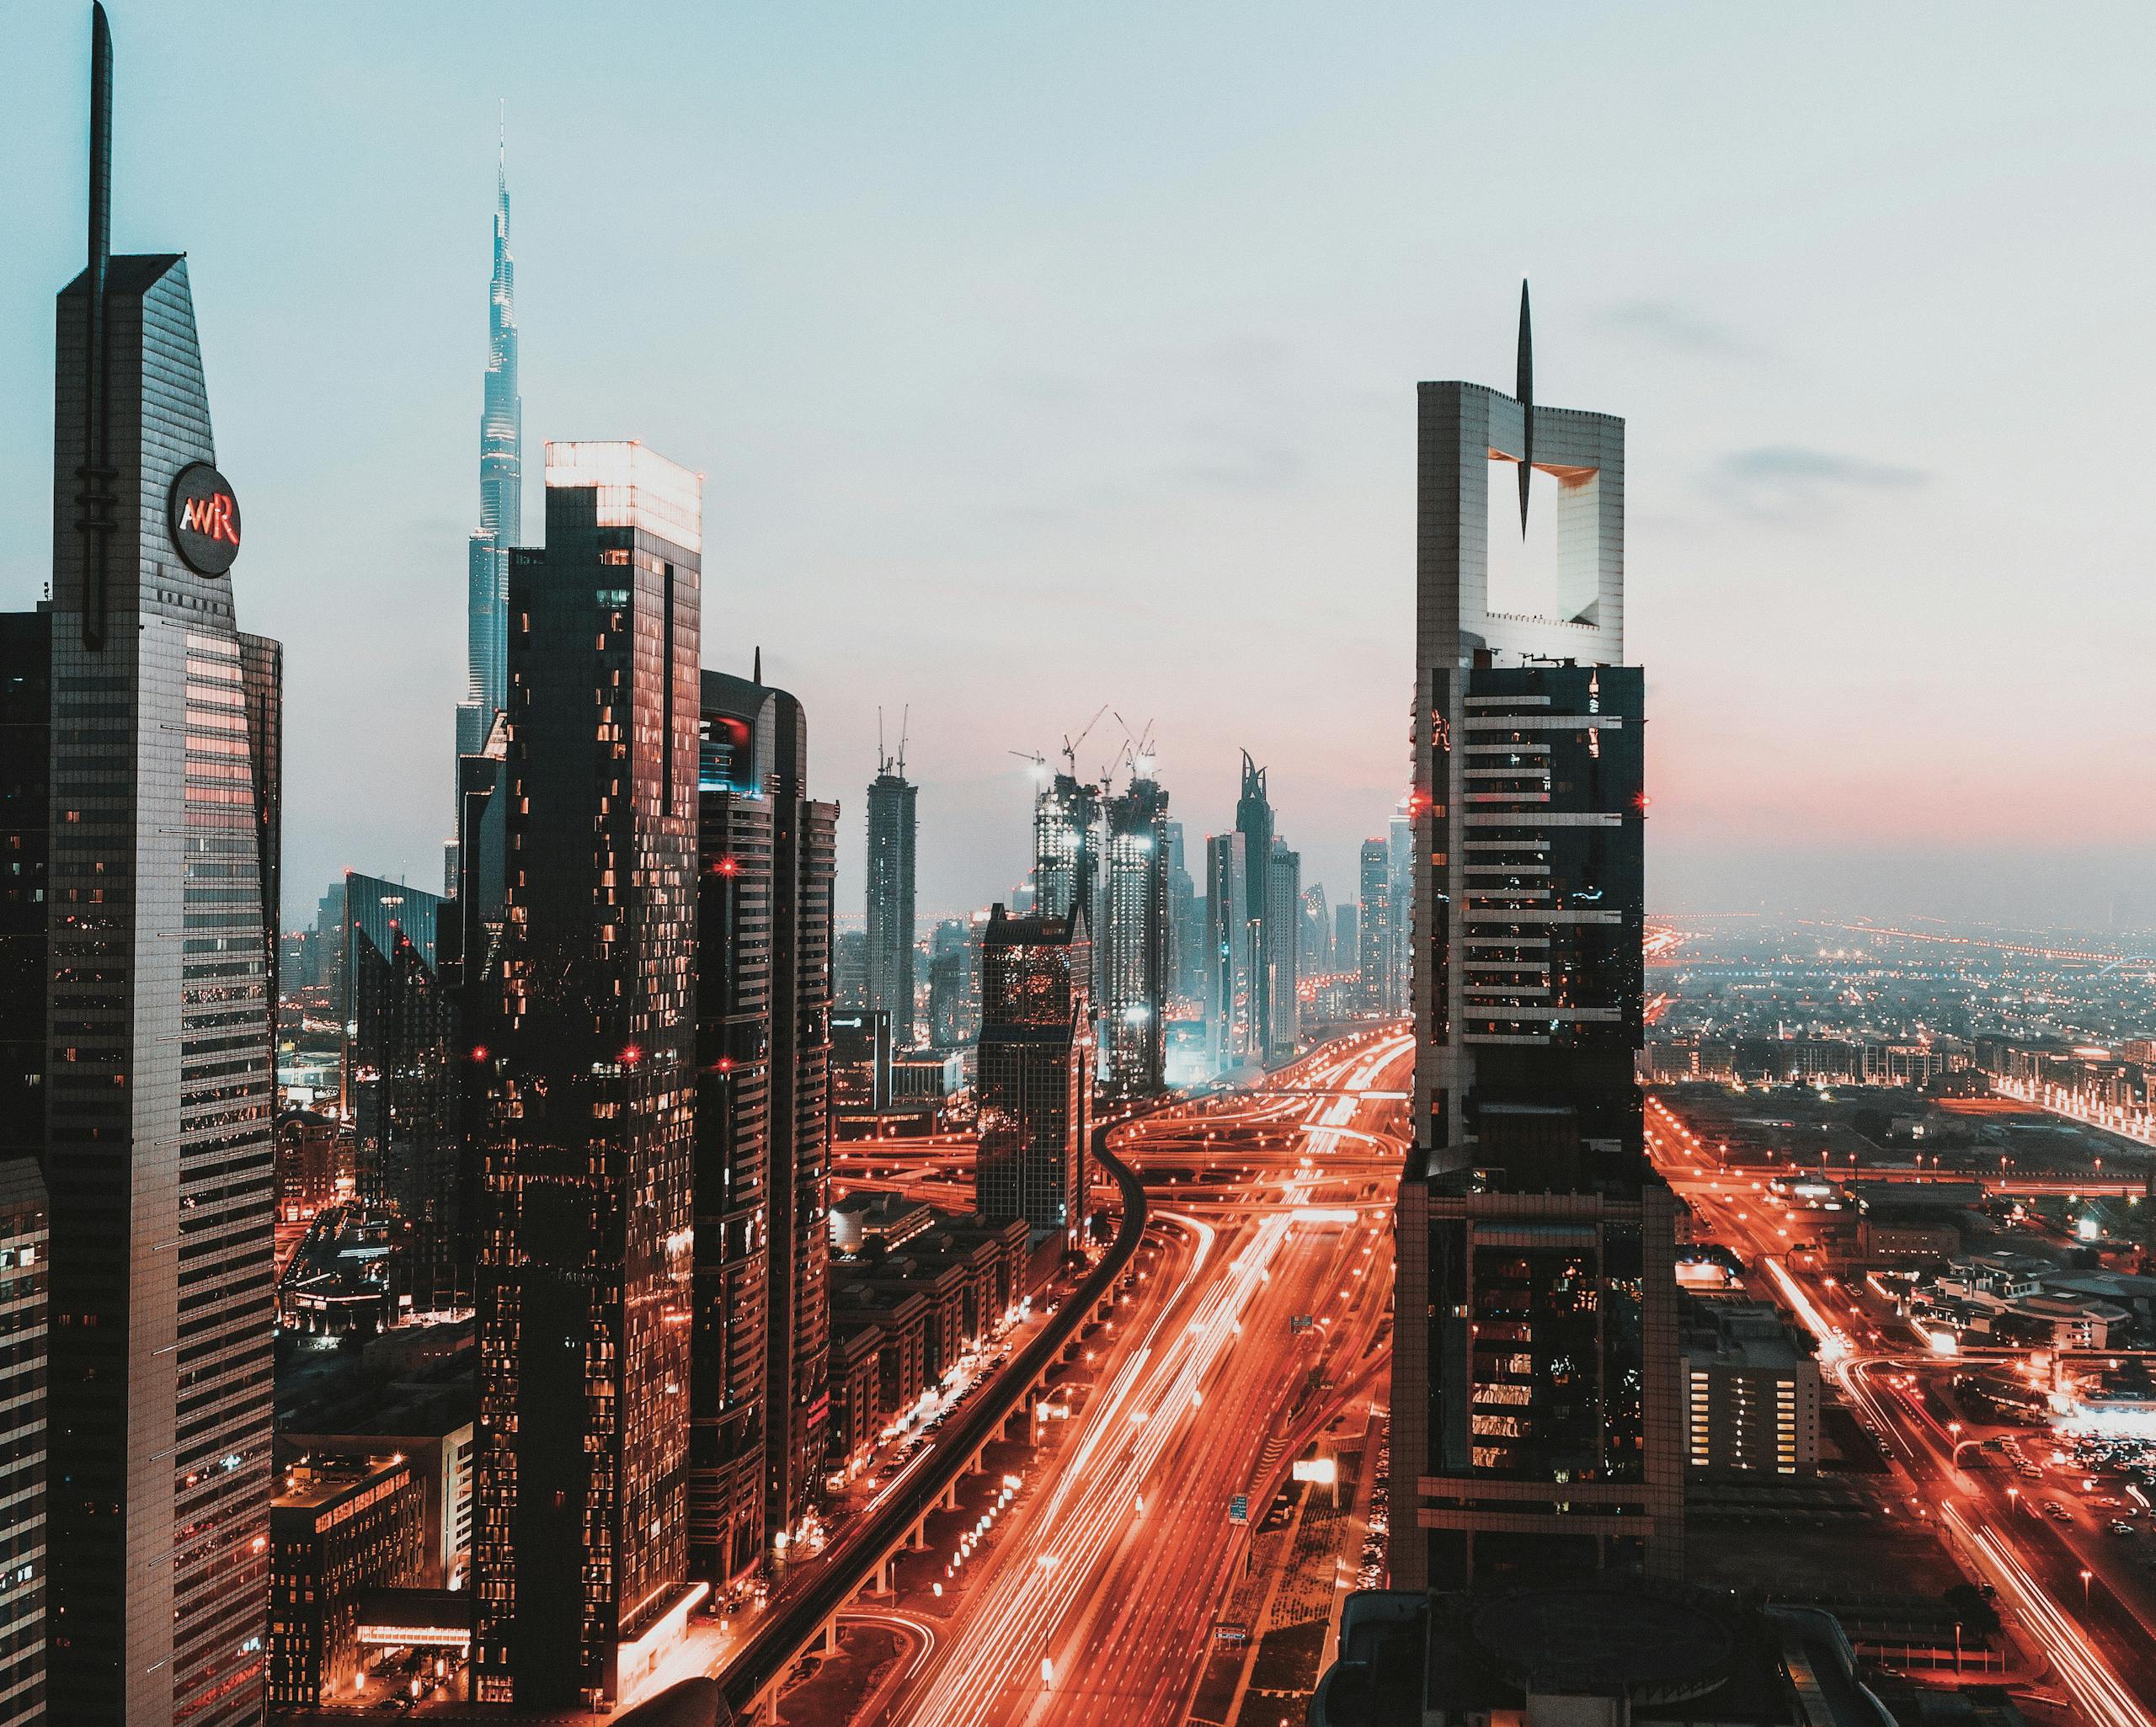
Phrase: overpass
[2038,1183]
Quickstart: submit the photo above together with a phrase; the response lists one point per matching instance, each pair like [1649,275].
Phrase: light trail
[2097,1692]
[1005,1636]
[1833,1346]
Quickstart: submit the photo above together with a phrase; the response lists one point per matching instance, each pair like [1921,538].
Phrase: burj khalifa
[501,496]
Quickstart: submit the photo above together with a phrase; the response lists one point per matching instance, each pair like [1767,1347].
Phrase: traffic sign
[1239,1509]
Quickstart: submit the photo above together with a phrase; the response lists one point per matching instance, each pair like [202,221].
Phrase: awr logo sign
[203,515]
[211,517]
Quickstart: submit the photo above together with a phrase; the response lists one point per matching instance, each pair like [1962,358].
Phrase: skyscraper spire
[1523,393]
[501,489]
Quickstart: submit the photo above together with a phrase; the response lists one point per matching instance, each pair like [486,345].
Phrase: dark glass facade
[1254,822]
[1035,1072]
[26,1268]
[158,1076]
[762,1333]
[804,843]
[587,1145]
[25,816]
[890,927]
[400,1083]
[1134,941]
[1536,1425]
[732,1328]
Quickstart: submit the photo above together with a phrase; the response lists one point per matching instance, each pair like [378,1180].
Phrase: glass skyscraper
[501,498]
[1536,1424]
[1133,938]
[1036,1078]
[890,900]
[588,1023]
[159,1071]
[758,1397]
[400,1074]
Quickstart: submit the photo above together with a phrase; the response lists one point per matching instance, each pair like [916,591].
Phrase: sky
[1041,358]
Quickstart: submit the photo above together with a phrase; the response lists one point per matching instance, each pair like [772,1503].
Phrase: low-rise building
[1750,1392]
[314,1164]
[340,1524]
[871,1223]
[1638,1650]
[441,1460]
[856,1393]
[902,1317]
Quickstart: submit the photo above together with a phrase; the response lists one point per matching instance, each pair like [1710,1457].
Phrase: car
[2119,1525]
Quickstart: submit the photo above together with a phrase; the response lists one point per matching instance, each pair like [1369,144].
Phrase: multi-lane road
[1261,1308]
[2086,1613]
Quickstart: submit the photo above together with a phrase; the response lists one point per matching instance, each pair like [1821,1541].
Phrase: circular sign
[204,518]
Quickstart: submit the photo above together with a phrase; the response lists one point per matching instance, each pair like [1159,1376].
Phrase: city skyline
[1824,451]
[607,1285]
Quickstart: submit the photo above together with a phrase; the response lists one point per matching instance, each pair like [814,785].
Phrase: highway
[1094,1604]
[2099,1642]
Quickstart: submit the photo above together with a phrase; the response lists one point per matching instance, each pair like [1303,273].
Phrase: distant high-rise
[400,1082]
[1374,955]
[1536,1408]
[1283,939]
[1067,842]
[1254,822]
[762,1325]
[588,1140]
[1347,944]
[1133,966]
[501,498]
[849,969]
[1185,922]
[1036,1071]
[1313,952]
[158,1076]
[890,873]
[1400,904]
[954,983]
[1230,943]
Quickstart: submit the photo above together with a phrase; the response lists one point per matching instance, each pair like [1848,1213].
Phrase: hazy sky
[1039,357]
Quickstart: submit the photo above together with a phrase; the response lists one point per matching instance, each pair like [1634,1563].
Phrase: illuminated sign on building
[202,517]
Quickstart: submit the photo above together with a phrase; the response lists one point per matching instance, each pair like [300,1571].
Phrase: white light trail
[2096,1689]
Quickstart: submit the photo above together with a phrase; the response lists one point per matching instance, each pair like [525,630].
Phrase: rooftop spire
[1523,393]
[94,500]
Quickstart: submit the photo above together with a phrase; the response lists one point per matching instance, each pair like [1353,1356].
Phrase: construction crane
[888,764]
[1034,756]
[1138,748]
[1070,744]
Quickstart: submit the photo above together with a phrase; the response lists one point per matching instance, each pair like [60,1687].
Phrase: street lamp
[2086,1574]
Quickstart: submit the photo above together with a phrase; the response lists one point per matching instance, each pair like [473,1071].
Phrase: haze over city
[1196,867]
[1035,363]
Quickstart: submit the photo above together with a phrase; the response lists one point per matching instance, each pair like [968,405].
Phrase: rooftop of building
[1008,929]
[310,1479]
[1659,1651]
[1738,1331]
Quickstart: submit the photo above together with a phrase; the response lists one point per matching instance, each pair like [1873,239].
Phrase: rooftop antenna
[95,476]
[756,676]
[1523,393]
[905,725]
[882,761]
